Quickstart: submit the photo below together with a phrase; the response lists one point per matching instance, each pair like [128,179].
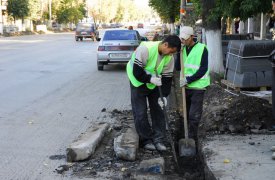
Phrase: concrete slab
[239,157]
[126,145]
[86,143]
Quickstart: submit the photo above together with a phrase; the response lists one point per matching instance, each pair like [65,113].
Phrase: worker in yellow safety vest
[196,79]
[151,65]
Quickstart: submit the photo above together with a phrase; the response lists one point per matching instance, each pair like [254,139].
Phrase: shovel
[169,135]
[187,147]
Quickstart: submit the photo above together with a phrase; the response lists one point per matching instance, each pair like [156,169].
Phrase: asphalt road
[50,93]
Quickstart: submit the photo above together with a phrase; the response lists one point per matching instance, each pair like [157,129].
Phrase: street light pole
[1,19]
[182,10]
[50,13]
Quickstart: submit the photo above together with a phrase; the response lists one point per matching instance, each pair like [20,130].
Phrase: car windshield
[120,35]
[84,27]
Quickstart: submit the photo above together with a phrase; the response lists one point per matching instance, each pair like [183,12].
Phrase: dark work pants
[147,134]
[194,101]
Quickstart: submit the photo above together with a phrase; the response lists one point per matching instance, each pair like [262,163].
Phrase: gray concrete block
[264,78]
[247,79]
[268,77]
[126,145]
[260,79]
[86,144]
[242,65]
[156,165]
[250,79]
[248,48]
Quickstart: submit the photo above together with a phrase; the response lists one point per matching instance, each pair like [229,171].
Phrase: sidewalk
[239,157]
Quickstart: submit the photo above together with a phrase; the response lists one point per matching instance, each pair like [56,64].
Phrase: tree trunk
[213,37]
[214,46]
[171,24]
[23,24]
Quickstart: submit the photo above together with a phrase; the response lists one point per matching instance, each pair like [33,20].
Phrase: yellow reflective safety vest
[192,64]
[150,67]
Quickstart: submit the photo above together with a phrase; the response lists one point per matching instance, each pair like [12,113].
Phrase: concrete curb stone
[126,145]
[86,143]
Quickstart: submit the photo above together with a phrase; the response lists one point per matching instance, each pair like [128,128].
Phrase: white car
[117,46]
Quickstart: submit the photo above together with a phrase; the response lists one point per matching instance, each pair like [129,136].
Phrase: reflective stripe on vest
[192,64]
[150,66]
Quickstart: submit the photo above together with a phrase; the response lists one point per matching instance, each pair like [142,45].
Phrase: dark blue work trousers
[147,133]
[194,102]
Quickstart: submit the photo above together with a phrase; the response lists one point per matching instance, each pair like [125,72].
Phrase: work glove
[160,102]
[183,82]
[156,81]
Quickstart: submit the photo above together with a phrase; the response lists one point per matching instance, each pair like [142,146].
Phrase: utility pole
[182,11]
[50,13]
[1,18]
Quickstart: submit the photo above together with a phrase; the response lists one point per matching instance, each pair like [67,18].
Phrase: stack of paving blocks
[247,64]
[228,37]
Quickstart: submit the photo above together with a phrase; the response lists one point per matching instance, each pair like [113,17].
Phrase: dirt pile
[228,113]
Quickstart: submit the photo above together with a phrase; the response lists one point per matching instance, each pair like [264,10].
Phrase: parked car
[117,46]
[140,25]
[86,30]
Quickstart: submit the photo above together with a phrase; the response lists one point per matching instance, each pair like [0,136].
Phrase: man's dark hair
[173,41]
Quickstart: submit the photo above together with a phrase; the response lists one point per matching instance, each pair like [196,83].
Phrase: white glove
[161,103]
[156,81]
[183,82]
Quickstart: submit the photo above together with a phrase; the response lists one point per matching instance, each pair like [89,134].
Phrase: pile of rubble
[226,113]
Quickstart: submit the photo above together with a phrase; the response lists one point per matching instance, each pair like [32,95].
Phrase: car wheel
[76,38]
[81,39]
[100,66]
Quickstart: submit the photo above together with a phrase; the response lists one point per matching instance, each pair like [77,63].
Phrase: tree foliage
[70,12]
[18,8]
[248,8]
[213,10]
[110,11]
[168,10]
[35,11]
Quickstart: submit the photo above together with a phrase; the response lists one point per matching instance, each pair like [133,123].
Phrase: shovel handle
[169,134]
[183,98]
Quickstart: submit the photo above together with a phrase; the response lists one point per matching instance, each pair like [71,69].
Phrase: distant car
[140,25]
[117,46]
[86,30]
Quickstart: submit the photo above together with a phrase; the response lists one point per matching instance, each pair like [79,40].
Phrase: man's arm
[177,61]
[139,64]
[166,79]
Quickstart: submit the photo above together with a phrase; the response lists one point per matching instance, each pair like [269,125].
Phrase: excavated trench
[223,113]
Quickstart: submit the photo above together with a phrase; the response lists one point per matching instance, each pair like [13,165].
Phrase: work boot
[150,147]
[160,147]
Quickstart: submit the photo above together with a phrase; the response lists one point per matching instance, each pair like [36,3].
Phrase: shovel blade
[187,147]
